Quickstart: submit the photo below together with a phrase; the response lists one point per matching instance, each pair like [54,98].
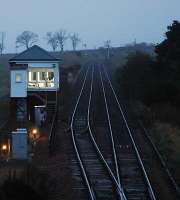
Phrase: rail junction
[107,159]
[114,168]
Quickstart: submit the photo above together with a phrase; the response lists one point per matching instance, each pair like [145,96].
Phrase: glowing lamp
[4,147]
[34,131]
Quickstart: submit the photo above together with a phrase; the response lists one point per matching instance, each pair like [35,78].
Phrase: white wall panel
[18,89]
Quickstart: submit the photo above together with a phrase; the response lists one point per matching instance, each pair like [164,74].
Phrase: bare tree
[52,40]
[26,39]
[61,37]
[75,40]
[2,41]
[107,45]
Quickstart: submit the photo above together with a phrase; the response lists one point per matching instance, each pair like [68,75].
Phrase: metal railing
[41,84]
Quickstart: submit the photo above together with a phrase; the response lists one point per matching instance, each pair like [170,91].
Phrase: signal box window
[34,76]
[50,76]
[18,78]
[42,76]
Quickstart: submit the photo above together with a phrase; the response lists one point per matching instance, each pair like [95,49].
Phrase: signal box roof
[34,53]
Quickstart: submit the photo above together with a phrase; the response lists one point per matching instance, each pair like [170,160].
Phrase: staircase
[50,108]
[48,99]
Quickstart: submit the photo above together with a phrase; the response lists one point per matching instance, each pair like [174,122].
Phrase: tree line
[54,39]
[153,83]
[154,79]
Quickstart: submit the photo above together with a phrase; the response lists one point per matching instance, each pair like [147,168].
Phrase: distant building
[34,75]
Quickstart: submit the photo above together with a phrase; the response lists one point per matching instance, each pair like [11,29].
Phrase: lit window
[42,76]
[50,76]
[34,76]
[18,78]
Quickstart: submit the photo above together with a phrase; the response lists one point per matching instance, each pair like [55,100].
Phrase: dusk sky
[121,21]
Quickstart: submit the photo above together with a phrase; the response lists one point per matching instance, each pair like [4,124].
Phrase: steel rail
[111,131]
[150,190]
[91,192]
[72,87]
[116,183]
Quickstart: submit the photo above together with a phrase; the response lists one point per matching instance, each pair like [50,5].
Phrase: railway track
[116,171]
[134,179]
[164,185]
[104,178]
[107,156]
[99,178]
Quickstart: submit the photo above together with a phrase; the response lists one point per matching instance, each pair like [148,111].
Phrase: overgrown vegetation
[154,81]
[29,184]
[17,190]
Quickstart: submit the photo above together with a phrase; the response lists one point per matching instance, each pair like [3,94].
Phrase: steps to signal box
[50,108]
